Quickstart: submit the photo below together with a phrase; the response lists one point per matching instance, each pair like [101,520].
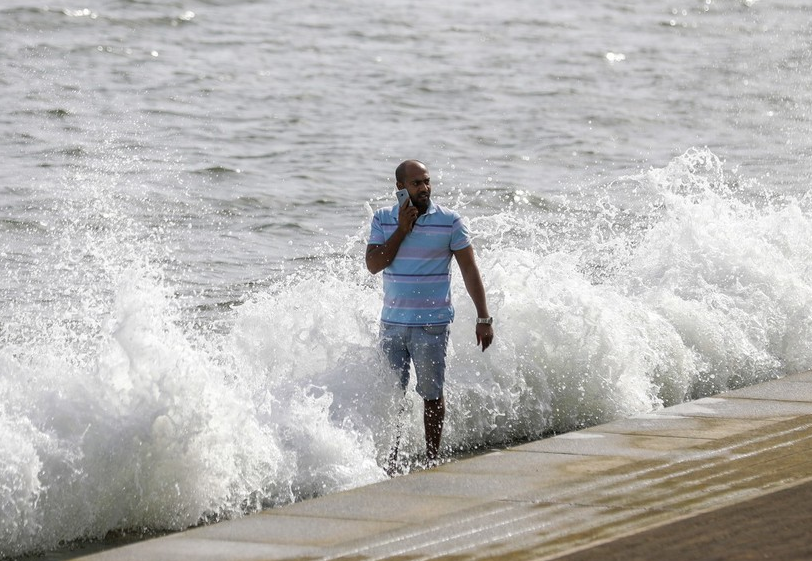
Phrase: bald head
[407,168]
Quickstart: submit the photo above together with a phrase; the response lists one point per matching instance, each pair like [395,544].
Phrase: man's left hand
[484,335]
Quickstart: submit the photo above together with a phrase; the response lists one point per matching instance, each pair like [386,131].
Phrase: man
[413,244]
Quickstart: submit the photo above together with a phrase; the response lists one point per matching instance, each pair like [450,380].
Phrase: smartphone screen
[403,196]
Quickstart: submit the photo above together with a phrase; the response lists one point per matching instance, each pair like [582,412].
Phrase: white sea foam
[118,414]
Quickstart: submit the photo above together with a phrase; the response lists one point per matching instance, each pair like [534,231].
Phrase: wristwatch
[486,321]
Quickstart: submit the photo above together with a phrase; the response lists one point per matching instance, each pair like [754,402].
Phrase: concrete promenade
[727,477]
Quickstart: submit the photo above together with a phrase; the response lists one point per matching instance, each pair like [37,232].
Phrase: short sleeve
[460,237]
[376,235]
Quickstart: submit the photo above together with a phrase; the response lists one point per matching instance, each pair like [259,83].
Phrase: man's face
[417,181]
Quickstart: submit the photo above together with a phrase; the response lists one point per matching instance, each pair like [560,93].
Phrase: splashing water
[115,413]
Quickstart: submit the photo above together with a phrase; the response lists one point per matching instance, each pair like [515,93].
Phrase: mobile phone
[403,197]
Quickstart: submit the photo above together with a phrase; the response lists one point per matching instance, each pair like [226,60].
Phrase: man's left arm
[476,290]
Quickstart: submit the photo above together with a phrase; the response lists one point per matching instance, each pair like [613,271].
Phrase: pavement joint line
[464,534]
[532,513]
[687,516]
[551,532]
[421,532]
[732,467]
[614,535]
[475,532]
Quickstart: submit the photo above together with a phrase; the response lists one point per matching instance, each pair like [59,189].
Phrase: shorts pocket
[435,329]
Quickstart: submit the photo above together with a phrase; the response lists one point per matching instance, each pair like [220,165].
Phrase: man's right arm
[379,257]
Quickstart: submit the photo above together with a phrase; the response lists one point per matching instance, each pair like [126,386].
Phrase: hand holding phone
[407,212]
[403,197]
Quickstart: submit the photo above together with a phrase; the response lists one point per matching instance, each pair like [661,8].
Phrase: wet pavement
[727,477]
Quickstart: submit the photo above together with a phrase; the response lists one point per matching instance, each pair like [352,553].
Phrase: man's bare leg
[392,461]
[433,417]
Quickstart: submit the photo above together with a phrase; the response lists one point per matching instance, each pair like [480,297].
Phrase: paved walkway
[728,477]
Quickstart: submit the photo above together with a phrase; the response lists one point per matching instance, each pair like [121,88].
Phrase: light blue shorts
[425,346]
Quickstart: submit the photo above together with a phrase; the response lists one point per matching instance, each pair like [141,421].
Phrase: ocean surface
[187,328]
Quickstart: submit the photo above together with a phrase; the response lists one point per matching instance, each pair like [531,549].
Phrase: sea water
[188,331]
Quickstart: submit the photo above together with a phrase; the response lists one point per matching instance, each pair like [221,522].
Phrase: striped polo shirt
[417,284]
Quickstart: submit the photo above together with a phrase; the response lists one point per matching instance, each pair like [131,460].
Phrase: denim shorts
[425,346]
